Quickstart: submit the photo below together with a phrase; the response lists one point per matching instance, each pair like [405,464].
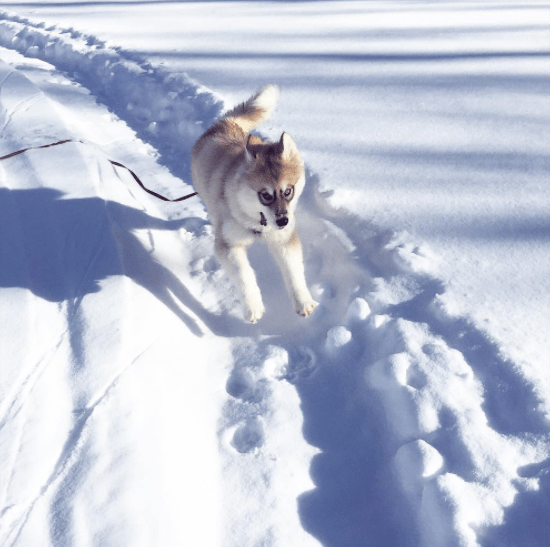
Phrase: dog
[251,189]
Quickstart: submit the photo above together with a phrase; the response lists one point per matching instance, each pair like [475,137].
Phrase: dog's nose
[282,222]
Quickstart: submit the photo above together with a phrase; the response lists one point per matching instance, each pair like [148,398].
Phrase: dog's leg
[235,262]
[290,259]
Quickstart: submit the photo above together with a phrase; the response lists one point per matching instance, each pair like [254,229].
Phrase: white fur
[266,99]
[236,212]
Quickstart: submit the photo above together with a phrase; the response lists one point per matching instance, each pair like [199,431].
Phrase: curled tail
[255,110]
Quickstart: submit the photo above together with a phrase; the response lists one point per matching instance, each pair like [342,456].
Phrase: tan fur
[251,188]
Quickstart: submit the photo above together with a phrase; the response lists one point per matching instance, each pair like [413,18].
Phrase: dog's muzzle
[282,222]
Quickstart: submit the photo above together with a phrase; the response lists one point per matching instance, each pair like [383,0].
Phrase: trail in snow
[424,434]
[165,109]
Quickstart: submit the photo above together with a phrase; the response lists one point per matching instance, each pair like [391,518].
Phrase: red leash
[116,163]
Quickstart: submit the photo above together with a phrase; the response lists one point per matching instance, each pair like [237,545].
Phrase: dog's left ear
[286,146]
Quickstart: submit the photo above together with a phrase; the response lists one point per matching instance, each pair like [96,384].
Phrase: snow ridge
[164,108]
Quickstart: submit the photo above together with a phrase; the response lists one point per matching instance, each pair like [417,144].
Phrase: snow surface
[411,409]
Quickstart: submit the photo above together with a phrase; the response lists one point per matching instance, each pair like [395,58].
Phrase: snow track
[165,109]
[383,418]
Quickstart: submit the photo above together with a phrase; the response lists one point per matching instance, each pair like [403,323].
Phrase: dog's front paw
[304,306]
[253,311]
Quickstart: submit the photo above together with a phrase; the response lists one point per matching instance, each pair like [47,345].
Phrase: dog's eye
[289,191]
[265,197]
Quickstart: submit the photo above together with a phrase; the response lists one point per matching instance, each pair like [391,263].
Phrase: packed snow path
[138,409]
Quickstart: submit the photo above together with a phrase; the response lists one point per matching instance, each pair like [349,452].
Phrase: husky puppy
[251,188]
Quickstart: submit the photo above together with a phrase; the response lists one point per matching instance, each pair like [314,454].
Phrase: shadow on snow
[61,249]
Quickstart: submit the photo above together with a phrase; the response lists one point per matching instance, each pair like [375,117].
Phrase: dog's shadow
[61,248]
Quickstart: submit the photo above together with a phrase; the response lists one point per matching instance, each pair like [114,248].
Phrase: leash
[116,163]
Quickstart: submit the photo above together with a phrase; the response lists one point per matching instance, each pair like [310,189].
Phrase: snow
[411,409]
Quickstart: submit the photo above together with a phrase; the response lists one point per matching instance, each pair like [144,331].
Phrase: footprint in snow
[249,436]
[298,363]
[241,385]
[410,257]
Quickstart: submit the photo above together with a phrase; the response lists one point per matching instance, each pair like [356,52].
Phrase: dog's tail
[255,110]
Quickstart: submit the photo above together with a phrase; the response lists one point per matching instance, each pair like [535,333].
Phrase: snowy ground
[411,409]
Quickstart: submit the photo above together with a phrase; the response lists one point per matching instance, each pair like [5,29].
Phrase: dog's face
[275,179]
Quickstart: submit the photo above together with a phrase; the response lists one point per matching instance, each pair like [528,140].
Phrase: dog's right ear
[286,146]
[248,152]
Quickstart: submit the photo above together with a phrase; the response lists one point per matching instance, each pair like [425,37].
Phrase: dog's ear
[249,153]
[286,146]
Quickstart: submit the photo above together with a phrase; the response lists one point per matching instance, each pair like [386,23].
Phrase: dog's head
[275,176]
